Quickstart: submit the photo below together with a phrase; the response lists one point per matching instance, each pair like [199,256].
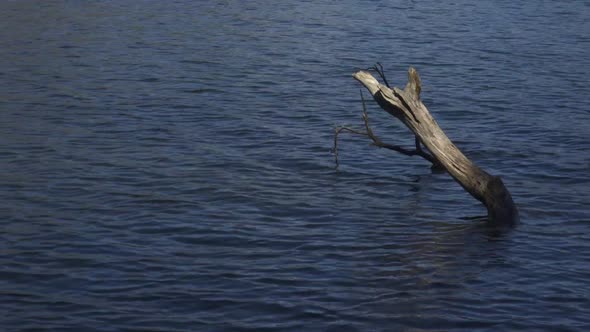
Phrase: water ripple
[162,172]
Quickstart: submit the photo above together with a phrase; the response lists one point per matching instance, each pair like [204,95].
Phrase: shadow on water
[423,186]
[493,232]
[453,253]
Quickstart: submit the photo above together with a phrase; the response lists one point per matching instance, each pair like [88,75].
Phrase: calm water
[166,166]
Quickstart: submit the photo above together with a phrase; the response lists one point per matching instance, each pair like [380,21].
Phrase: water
[167,167]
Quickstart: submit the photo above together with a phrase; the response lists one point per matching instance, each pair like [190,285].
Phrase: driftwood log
[406,106]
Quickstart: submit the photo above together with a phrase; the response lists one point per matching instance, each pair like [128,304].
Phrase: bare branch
[414,85]
[377,142]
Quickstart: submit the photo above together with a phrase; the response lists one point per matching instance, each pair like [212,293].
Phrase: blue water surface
[166,166]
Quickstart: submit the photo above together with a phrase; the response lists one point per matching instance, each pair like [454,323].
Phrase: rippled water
[166,166]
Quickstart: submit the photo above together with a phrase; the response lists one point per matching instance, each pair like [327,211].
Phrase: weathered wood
[408,108]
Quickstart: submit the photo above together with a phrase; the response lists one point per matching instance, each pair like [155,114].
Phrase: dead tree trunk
[408,108]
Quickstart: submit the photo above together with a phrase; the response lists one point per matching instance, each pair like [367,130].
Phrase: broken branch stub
[406,106]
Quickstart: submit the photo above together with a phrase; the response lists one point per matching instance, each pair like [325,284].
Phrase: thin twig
[336,133]
[380,72]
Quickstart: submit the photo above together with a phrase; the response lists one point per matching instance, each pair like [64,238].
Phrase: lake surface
[166,166]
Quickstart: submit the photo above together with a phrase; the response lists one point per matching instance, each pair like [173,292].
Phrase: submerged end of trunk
[498,201]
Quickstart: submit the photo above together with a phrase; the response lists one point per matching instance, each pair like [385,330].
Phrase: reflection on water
[167,166]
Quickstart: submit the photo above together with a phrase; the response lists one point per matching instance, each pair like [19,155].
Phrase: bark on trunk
[408,108]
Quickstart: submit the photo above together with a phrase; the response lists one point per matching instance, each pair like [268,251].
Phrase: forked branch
[378,143]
